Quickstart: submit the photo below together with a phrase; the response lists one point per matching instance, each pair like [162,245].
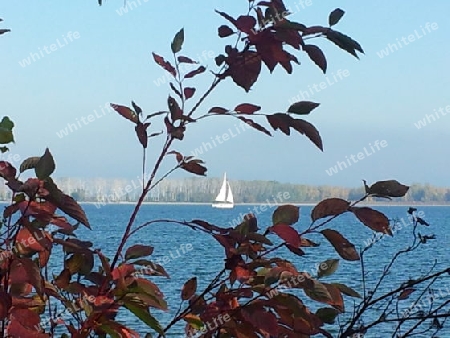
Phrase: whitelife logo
[356,158]
[66,39]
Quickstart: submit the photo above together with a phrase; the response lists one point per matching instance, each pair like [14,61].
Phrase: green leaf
[335,16]
[45,166]
[272,276]
[29,163]
[286,214]
[137,251]
[327,268]
[327,314]
[318,292]
[177,42]
[6,126]
[4,149]
[259,238]
[7,123]
[148,292]
[143,314]
[194,321]
[346,290]
[293,303]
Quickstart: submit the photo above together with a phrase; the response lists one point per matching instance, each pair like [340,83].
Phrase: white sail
[222,196]
[230,194]
[224,199]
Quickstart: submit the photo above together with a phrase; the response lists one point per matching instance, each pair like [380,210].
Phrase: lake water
[206,256]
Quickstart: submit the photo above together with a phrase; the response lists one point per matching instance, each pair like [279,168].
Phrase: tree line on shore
[204,190]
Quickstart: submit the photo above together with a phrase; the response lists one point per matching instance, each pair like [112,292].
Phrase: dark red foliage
[246,298]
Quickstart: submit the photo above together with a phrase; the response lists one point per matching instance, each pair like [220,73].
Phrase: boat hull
[223,205]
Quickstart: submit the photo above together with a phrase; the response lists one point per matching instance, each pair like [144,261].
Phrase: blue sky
[108,59]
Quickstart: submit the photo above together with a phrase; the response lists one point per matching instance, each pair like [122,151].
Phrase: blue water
[206,256]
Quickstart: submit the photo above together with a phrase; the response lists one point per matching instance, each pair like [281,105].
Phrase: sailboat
[224,199]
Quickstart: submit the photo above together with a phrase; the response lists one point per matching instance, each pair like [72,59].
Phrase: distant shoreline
[381,204]
[306,204]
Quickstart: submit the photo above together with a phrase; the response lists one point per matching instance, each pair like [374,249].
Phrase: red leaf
[374,219]
[294,250]
[189,289]
[335,16]
[245,23]
[280,121]
[41,210]
[244,68]
[5,304]
[177,154]
[174,108]
[185,59]
[178,132]
[329,207]
[65,203]
[286,233]
[226,16]
[25,323]
[225,241]
[270,50]
[141,132]
[303,107]
[208,226]
[189,92]
[309,131]
[123,271]
[218,110]
[316,55]
[194,167]
[199,70]
[246,108]
[344,248]
[225,31]
[391,188]
[38,240]
[344,42]
[255,125]
[405,293]
[164,64]
[241,274]
[337,301]
[63,280]
[25,270]
[314,30]
[125,112]
[175,90]
[262,320]
[289,36]
[7,171]
[175,132]
[136,108]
